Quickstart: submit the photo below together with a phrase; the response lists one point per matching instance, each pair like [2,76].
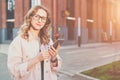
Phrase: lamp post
[79,32]
[111,20]
[110,32]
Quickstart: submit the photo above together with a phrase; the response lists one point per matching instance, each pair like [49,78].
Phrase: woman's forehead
[41,12]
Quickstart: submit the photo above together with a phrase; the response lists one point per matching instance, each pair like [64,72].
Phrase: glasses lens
[37,17]
[43,19]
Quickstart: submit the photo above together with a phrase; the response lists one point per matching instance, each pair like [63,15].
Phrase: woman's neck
[34,33]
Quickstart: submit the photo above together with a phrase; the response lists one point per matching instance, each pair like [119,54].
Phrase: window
[10,9]
[35,2]
[10,6]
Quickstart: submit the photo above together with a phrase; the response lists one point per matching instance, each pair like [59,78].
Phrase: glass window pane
[35,2]
[10,6]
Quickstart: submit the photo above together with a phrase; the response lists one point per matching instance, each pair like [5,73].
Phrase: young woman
[31,47]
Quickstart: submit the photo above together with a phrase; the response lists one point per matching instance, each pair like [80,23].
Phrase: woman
[31,47]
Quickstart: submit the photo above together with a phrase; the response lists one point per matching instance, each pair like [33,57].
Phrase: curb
[92,45]
[66,73]
[81,76]
[85,77]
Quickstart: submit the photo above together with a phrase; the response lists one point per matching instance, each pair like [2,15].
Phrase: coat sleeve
[16,66]
[59,63]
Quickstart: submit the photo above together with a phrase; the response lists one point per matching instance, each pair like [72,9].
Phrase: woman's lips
[38,24]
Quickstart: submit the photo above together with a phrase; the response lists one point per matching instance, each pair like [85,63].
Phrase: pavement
[75,59]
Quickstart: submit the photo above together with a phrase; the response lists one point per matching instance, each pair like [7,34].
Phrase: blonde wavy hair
[44,37]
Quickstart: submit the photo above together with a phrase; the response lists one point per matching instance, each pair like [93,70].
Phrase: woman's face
[39,19]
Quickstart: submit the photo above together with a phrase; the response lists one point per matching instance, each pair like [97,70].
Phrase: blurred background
[92,23]
[92,20]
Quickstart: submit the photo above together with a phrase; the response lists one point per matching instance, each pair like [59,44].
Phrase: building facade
[98,20]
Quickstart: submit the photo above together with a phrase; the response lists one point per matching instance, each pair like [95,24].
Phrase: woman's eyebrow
[41,16]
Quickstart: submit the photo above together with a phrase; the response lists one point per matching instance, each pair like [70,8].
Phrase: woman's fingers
[52,51]
[46,55]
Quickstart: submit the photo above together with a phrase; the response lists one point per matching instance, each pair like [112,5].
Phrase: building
[99,19]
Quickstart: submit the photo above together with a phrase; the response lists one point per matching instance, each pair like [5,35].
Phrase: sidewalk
[88,56]
[4,47]
[71,71]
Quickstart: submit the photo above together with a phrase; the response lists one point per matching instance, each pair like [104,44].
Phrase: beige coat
[20,51]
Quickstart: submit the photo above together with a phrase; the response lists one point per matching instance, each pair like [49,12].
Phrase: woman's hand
[40,57]
[44,55]
[53,52]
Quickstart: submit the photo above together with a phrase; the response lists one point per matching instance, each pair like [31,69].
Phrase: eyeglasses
[38,17]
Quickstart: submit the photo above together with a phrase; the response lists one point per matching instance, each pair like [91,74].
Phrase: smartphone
[59,41]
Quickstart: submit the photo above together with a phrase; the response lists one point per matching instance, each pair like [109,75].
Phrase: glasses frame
[38,17]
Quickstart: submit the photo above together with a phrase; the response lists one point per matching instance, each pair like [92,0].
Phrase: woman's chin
[37,28]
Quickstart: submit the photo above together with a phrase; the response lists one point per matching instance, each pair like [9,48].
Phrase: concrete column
[19,15]
[99,10]
[61,8]
[26,6]
[19,12]
[2,21]
[77,10]
[61,18]
[83,13]
[114,27]
[109,18]
[3,10]
[95,25]
[77,15]
[64,8]
[48,4]
[118,19]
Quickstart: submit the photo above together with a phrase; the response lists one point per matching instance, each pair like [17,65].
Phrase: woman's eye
[44,18]
[37,16]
